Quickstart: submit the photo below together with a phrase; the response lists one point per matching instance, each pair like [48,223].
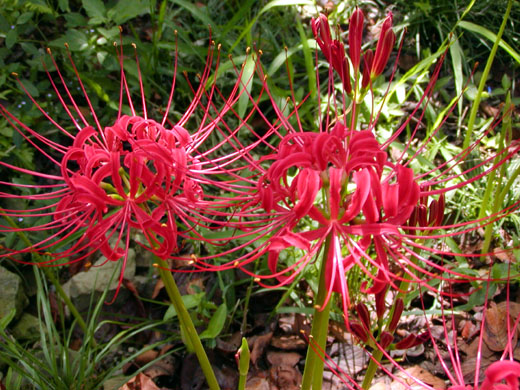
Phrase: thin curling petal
[504,370]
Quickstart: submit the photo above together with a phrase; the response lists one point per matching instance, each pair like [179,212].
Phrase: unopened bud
[398,310]
[386,339]
[380,303]
[407,342]
[363,314]
[359,331]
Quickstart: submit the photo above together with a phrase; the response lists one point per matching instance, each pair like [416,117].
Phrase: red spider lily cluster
[336,190]
[340,183]
[152,178]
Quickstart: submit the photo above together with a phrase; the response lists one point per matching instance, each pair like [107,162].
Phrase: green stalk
[187,326]
[49,274]
[483,79]
[244,357]
[371,370]
[500,192]
[313,372]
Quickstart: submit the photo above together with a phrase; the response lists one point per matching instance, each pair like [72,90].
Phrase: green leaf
[75,19]
[490,36]
[126,10]
[76,40]
[196,11]
[24,18]
[95,9]
[216,324]
[33,91]
[64,5]
[272,4]
[6,319]
[10,38]
[246,81]
[39,6]
[189,301]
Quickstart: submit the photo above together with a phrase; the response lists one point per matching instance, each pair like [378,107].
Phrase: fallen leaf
[146,357]
[140,382]
[419,373]
[257,383]
[157,289]
[283,373]
[495,333]
[163,367]
[257,346]
[289,342]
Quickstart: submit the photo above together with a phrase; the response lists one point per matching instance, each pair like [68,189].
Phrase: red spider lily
[340,184]
[154,178]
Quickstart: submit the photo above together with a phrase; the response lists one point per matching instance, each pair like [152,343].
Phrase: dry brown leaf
[146,357]
[159,285]
[418,373]
[495,333]
[283,358]
[165,366]
[257,345]
[257,383]
[289,342]
[140,382]
[283,374]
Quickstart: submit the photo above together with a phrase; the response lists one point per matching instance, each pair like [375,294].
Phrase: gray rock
[13,296]
[101,275]
[27,328]
[86,287]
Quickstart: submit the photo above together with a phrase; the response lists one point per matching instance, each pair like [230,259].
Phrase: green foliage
[51,363]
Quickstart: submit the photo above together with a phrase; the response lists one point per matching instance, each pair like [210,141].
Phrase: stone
[27,328]
[99,276]
[13,296]
[85,288]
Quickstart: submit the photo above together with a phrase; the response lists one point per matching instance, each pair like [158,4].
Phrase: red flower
[340,184]
[373,64]
[134,175]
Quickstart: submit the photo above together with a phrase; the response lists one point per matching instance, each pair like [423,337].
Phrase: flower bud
[385,340]
[380,303]
[363,314]
[358,330]
[355,36]
[384,47]
[321,30]
[368,58]
[407,342]
[398,310]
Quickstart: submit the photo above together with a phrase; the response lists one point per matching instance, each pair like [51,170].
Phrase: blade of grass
[483,79]
[272,4]
[491,37]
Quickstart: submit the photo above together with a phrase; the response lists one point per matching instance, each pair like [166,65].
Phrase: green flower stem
[372,367]
[49,275]
[313,372]
[186,323]
[483,79]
